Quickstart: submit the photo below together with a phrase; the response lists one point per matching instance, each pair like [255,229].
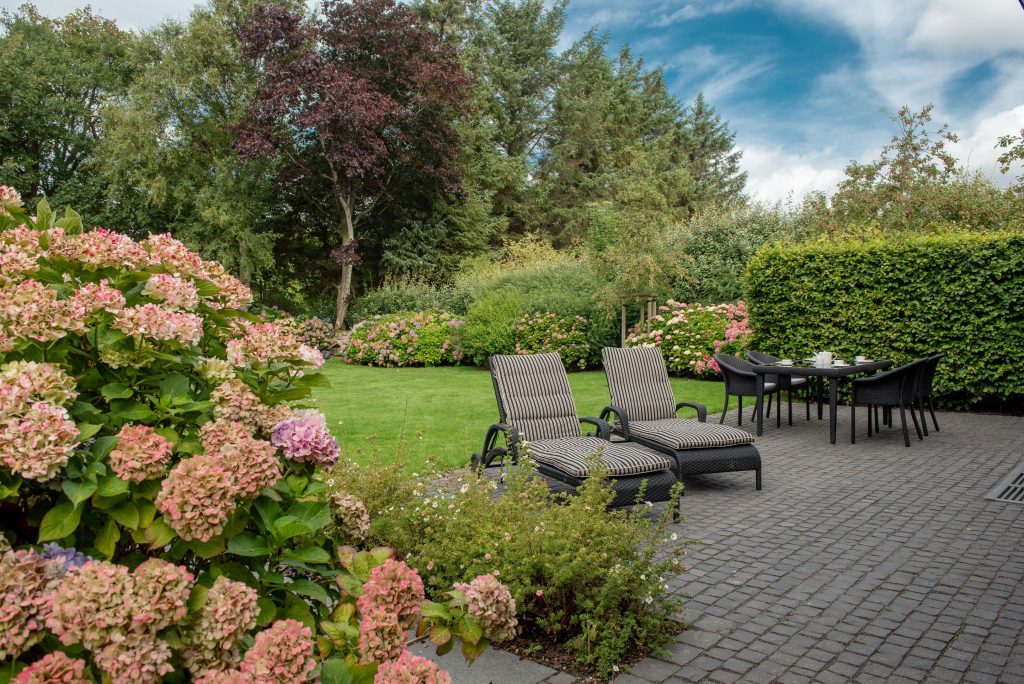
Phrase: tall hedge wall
[958,293]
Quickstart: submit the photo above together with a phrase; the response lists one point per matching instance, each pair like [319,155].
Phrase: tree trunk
[243,263]
[344,285]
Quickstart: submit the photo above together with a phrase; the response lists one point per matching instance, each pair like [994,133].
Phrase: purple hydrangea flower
[71,557]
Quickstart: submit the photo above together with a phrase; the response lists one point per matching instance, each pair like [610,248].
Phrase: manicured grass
[418,413]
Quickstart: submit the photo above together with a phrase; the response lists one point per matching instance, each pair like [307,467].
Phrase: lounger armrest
[604,430]
[491,450]
[621,418]
[702,411]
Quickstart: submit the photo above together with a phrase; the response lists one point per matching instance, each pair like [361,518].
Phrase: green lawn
[417,413]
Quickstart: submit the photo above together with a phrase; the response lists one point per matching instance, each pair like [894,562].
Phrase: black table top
[804,368]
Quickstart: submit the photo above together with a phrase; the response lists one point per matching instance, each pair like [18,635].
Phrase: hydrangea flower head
[411,669]
[394,588]
[381,638]
[153,322]
[68,558]
[100,248]
[141,454]
[174,291]
[26,582]
[281,654]
[39,443]
[491,604]
[139,659]
[92,298]
[229,612]
[351,516]
[26,382]
[91,604]
[9,199]
[53,668]
[197,497]
[161,594]
[306,439]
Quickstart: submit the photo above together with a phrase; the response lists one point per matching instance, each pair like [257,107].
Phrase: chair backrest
[733,364]
[533,396]
[737,373]
[911,379]
[638,382]
[761,357]
[928,367]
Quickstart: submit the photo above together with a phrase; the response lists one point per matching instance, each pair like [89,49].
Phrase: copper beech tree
[360,98]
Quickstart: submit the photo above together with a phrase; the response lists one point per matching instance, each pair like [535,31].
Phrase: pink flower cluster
[351,516]
[268,343]
[423,338]
[306,439]
[100,248]
[9,199]
[169,253]
[540,333]
[281,654]
[691,334]
[411,669]
[174,291]
[389,606]
[197,497]
[154,322]
[117,615]
[235,401]
[39,442]
[23,383]
[492,606]
[229,612]
[92,298]
[252,462]
[31,310]
[54,668]
[140,454]
[26,581]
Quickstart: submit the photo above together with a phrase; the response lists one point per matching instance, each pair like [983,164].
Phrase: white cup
[860,359]
[824,359]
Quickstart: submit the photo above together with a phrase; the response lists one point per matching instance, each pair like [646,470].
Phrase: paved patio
[869,562]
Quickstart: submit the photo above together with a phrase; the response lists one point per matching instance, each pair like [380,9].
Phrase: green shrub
[592,580]
[540,333]
[417,338]
[402,296]
[490,326]
[957,293]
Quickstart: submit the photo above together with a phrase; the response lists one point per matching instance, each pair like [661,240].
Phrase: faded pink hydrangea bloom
[30,310]
[281,654]
[92,604]
[174,291]
[100,248]
[230,611]
[411,669]
[140,454]
[138,659]
[351,516]
[381,638]
[167,252]
[225,677]
[23,383]
[197,497]
[263,343]
[153,322]
[252,462]
[216,371]
[395,588]
[54,668]
[92,298]
[15,265]
[26,582]
[306,439]
[235,401]
[9,199]
[491,604]
[37,444]
[161,594]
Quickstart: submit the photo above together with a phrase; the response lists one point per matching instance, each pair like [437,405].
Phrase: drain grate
[1011,489]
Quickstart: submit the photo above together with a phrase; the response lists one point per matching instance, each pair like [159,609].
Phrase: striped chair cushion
[638,382]
[620,458]
[534,396]
[680,433]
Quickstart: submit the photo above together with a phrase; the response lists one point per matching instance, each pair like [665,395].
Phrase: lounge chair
[536,410]
[645,409]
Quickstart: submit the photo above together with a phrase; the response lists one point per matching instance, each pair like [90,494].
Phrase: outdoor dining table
[810,369]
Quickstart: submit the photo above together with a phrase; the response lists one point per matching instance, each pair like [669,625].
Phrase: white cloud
[985,27]
[978,148]
[776,174]
[130,14]
[701,68]
[698,10]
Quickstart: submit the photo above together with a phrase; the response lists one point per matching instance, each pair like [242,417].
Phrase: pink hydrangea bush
[150,422]
[411,669]
[422,338]
[543,332]
[691,334]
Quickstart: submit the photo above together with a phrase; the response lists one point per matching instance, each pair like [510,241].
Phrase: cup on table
[860,359]
[824,359]
[785,362]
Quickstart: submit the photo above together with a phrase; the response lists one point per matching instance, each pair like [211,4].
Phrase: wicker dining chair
[537,416]
[896,388]
[924,389]
[741,381]
[786,383]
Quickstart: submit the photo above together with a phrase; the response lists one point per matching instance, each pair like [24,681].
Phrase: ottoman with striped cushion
[538,417]
[644,409]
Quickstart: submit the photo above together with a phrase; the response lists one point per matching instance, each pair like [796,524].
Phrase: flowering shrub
[422,338]
[148,420]
[691,334]
[594,581]
[316,333]
[539,333]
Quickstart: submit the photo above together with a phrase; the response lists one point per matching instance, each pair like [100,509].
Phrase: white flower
[649,600]
[673,536]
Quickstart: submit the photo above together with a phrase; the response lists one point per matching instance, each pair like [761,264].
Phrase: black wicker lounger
[645,412]
[535,407]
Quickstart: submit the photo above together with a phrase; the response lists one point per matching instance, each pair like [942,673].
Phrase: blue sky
[802,82]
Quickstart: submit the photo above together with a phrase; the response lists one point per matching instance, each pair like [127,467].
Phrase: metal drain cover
[1011,489]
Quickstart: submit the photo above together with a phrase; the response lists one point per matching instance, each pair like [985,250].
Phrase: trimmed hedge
[957,293]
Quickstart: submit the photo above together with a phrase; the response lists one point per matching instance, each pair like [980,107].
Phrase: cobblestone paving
[867,563]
